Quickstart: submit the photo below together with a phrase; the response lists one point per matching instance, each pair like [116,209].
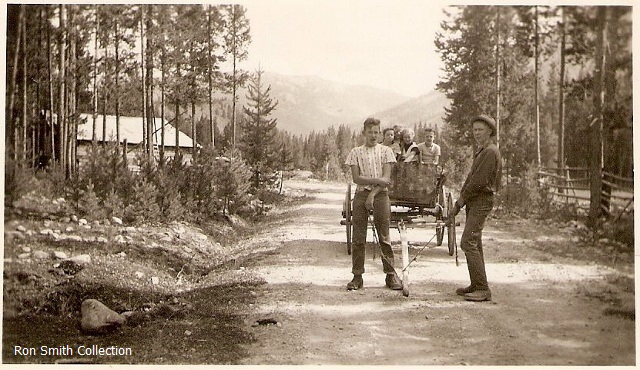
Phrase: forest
[558,79]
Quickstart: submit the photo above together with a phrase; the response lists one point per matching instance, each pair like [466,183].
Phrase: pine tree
[344,142]
[233,185]
[258,142]
[143,204]
[89,203]
[113,205]
[236,41]
[469,52]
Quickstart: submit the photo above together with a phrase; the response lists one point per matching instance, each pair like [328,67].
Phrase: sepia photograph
[318,182]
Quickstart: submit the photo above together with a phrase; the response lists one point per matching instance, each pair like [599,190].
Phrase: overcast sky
[381,43]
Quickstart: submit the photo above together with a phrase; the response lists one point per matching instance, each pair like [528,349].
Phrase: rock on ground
[60,255]
[81,259]
[98,318]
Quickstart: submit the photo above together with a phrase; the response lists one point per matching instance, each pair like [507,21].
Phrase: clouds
[381,43]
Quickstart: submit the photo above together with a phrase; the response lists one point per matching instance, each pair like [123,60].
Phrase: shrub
[51,183]
[174,173]
[169,199]
[113,204]
[106,169]
[232,185]
[622,231]
[172,208]
[19,179]
[620,228]
[523,197]
[202,177]
[142,206]
[89,203]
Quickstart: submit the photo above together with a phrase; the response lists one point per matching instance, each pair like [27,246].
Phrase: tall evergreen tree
[214,29]
[236,41]
[258,144]
[468,48]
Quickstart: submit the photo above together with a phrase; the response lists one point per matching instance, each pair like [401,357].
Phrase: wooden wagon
[417,199]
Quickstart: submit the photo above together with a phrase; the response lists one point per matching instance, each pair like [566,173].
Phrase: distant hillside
[428,109]
[309,103]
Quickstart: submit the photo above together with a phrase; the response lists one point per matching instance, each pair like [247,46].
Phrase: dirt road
[552,305]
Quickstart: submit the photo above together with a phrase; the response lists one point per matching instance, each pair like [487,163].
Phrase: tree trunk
[193,128]
[61,89]
[116,38]
[145,145]
[210,76]
[69,93]
[162,102]
[537,93]
[40,129]
[608,108]
[596,162]
[234,83]
[95,78]
[177,117]
[10,116]
[561,95]
[194,88]
[52,132]
[104,115]
[149,80]
[498,72]
[125,150]
[23,127]
[105,89]
[72,93]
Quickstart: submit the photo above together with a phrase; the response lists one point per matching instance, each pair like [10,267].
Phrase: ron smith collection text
[91,350]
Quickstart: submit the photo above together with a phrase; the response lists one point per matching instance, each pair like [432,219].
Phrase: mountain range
[309,103]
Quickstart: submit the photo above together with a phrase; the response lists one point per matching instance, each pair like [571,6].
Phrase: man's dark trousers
[471,242]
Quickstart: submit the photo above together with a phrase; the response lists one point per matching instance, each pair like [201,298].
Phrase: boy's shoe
[478,296]
[393,282]
[465,290]
[356,283]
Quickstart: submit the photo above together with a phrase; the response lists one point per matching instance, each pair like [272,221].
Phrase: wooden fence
[572,185]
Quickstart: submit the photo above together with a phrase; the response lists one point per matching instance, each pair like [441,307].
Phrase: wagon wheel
[347,216]
[440,229]
[451,229]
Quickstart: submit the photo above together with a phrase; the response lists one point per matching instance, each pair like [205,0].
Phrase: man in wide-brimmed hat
[477,196]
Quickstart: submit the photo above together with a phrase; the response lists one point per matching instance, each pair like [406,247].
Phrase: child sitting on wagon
[409,151]
[389,139]
[429,151]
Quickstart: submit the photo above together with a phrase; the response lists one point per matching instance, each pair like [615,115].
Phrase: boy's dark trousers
[360,220]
